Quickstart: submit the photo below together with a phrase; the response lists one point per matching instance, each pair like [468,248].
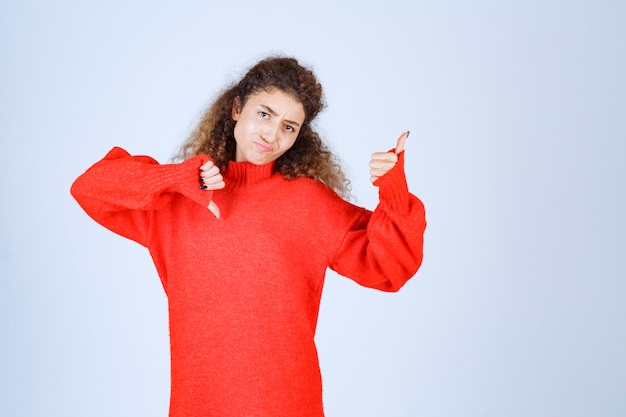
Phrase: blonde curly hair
[308,157]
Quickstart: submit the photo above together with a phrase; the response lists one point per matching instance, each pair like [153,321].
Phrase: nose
[270,134]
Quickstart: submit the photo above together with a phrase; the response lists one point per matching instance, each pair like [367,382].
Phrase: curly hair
[308,157]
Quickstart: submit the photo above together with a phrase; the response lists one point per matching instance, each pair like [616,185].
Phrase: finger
[401,142]
[213,182]
[207,165]
[385,156]
[210,175]
[384,163]
[217,185]
[208,186]
[213,179]
[213,186]
[211,171]
[379,172]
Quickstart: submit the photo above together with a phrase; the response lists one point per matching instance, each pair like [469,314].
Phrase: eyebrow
[273,113]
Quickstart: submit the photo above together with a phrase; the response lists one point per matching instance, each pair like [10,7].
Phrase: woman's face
[267,126]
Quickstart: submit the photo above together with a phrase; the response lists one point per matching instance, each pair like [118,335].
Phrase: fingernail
[203,187]
[201,180]
[408,132]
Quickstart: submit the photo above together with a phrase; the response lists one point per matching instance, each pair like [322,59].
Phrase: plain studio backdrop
[517,148]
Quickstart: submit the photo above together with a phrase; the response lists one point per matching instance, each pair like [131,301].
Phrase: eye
[263,114]
[290,128]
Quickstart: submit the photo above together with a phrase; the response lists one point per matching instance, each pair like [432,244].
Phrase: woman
[242,255]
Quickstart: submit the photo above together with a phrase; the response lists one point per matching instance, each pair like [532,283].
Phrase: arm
[120,190]
[384,249]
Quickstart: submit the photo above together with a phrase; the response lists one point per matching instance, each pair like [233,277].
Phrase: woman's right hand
[211,179]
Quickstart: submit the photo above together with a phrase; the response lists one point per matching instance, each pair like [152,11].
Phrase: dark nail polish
[203,187]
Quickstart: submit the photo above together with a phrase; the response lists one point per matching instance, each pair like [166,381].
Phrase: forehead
[279,102]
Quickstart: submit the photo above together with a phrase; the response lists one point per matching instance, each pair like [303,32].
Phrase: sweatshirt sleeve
[120,191]
[383,249]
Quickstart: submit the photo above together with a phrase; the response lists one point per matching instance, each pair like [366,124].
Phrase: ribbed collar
[243,174]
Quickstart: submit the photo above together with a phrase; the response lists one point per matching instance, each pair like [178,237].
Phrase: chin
[259,161]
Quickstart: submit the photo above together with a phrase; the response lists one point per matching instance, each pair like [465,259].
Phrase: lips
[263,147]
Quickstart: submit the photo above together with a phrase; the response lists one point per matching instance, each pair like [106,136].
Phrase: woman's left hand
[382,162]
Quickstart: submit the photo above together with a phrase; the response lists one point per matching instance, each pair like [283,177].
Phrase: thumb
[213,208]
[401,142]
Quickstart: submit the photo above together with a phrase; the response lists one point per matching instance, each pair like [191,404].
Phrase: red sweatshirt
[244,291]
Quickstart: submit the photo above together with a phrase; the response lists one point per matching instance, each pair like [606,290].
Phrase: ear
[236,111]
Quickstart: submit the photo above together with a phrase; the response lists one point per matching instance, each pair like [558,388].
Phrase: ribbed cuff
[185,179]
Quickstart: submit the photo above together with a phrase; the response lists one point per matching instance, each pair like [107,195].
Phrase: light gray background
[516,112]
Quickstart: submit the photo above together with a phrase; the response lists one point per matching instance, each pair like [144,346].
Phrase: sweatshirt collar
[241,174]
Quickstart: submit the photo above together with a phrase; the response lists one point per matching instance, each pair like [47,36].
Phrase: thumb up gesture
[382,162]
